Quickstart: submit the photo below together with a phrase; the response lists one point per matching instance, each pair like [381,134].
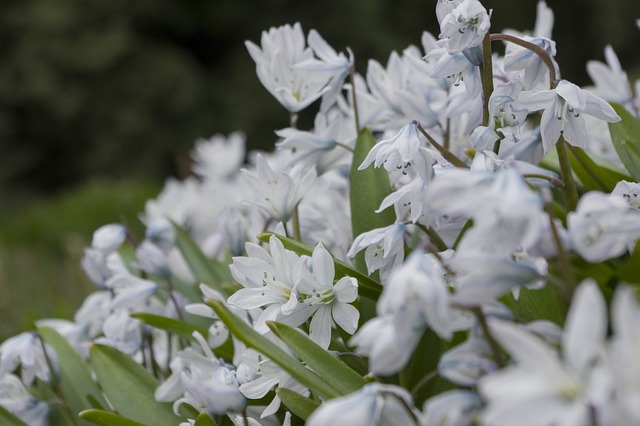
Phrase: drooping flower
[563,108]
[374,404]
[464,26]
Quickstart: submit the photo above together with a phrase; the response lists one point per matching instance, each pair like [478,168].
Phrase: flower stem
[468,224]
[423,381]
[487,78]
[495,348]
[297,235]
[553,81]
[570,190]
[435,239]
[448,155]
[569,284]
[352,77]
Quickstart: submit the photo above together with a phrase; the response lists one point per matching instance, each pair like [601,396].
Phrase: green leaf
[76,383]
[252,339]
[628,272]
[544,304]
[204,270]
[182,329]
[592,175]
[422,365]
[368,188]
[129,387]
[332,370]
[8,419]
[625,135]
[367,286]
[203,419]
[104,418]
[299,405]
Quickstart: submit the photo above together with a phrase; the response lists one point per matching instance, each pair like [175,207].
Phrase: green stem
[570,190]
[553,81]
[423,381]
[468,224]
[448,155]
[553,180]
[496,146]
[569,284]
[297,235]
[435,239]
[487,78]
[495,348]
[352,77]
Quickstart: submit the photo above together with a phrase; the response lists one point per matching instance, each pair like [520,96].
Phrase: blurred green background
[101,100]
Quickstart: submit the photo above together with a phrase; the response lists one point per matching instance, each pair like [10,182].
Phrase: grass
[41,248]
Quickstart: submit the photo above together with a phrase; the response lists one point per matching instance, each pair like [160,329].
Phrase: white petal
[572,94]
[346,316]
[585,328]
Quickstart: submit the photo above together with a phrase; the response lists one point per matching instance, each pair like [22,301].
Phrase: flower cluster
[441,248]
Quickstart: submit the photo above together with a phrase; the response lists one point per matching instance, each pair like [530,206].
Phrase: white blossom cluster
[475,198]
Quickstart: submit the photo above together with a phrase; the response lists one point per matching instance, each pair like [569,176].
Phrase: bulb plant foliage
[454,242]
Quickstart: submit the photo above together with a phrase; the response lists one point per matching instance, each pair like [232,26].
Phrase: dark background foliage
[115,88]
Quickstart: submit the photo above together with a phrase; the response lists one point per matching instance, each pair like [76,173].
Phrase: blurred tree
[119,88]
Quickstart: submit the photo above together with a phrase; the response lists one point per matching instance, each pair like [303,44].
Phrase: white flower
[402,153]
[278,194]
[25,350]
[456,68]
[108,238]
[218,157]
[452,408]
[519,58]
[465,26]
[541,388]
[335,65]
[374,404]
[16,399]
[384,248]
[266,375]
[282,49]
[630,191]
[328,302]
[563,109]
[603,226]
[269,280]
[611,81]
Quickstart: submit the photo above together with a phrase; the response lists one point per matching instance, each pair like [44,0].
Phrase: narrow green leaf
[129,387]
[592,175]
[252,339]
[202,268]
[8,419]
[104,418]
[625,135]
[368,188]
[75,377]
[182,329]
[203,419]
[367,286]
[299,405]
[332,370]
